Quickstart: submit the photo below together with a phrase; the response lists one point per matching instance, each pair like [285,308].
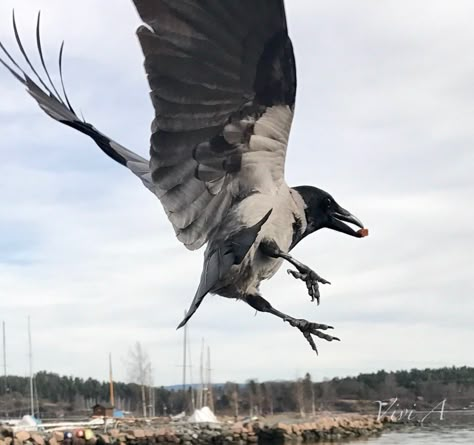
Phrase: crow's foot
[312,280]
[308,329]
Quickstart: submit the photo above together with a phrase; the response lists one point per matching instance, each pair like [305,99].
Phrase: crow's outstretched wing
[57,105]
[223,84]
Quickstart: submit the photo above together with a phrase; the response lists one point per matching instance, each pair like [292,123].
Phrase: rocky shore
[324,428]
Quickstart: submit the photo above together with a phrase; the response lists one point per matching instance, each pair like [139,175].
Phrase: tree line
[65,395]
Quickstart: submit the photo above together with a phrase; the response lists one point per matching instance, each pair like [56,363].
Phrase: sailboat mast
[210,401]
[111,381]
[4,358]
[32,397]
[201,375]
[191,380]
[185,340]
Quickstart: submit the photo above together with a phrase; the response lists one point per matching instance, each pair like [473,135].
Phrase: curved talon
[311,279]
[308,329]
[311,342]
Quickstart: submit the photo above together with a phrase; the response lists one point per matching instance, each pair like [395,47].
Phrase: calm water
[418,436]
[453,430]
[426,435]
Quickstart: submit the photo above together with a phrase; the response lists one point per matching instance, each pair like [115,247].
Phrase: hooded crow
[223,84]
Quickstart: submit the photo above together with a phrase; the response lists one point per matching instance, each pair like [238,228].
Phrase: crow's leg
[303,272]
[307,328]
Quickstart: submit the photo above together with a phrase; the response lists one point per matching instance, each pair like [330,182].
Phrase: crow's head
[322,210]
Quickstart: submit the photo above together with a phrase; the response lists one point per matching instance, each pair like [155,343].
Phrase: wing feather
[223,83]
[60,109]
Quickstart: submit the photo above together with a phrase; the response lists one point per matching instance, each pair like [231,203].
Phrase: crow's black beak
[335,223]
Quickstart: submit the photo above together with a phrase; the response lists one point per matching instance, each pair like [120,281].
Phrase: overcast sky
[384,122]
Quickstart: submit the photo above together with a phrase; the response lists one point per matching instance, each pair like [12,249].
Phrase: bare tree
[235,401]
[299,394]
[270,397]
[308,389]
[139,370]
[151,395]
[328,393]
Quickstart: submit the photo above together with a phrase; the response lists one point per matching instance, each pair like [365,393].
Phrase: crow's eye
[328,202]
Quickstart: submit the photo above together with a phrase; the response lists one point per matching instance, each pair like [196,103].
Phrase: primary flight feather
[223,85]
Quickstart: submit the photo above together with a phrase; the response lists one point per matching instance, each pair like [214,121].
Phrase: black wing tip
[264,219]
[61,51]
[182,323]
[191,311]
[21,75]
